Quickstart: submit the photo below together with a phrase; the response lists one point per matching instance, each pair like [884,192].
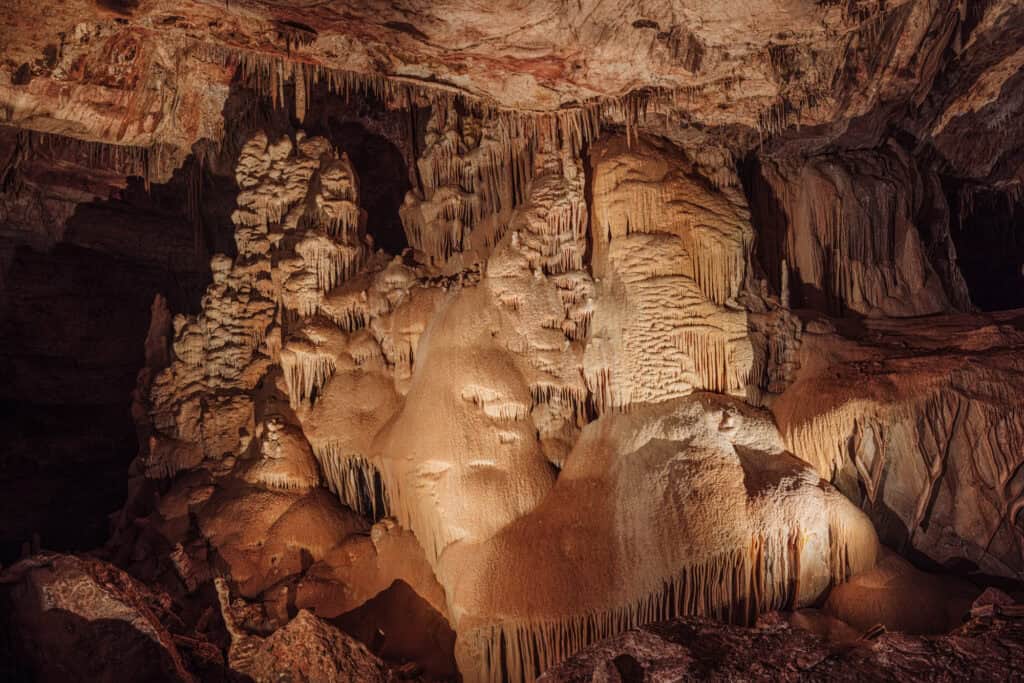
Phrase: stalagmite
[779,550]
[784,275]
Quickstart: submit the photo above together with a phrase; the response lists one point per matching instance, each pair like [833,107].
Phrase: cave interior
[349,347]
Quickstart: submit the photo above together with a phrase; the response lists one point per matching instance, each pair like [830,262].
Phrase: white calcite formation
[522,395]
[670,252]
[299,232]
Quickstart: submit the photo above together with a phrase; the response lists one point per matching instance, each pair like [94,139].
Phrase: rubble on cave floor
[987,647]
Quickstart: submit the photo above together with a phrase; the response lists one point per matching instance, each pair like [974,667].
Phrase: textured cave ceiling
[719,74]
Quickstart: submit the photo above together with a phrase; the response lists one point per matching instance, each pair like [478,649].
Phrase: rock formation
[453,404]
[483,334]
[83,619]
[918,421]
[697,649]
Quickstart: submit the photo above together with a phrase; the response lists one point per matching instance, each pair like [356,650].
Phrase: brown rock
[80,619]
[695,649]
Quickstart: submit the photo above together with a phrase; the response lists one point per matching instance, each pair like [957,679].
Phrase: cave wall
[75,297]
[859,232]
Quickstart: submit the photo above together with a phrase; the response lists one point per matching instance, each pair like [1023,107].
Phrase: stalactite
[710,354]
[355,480]
[332,263]
[306,370]
[823,440]
[351,318]
[571,126]
[735,586]
[126,160]
[784,288]
[577,398]
[718,266]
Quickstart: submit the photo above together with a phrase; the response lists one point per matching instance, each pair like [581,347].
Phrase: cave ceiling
[731,76]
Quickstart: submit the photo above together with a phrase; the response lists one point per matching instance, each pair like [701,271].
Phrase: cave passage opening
[989,239]
[383,181]
[75,311]
[378,140]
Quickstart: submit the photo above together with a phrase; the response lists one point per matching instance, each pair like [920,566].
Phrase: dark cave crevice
[398,625]
[383,181]
[74,318]
[380,143]
[769,223]
[988,231]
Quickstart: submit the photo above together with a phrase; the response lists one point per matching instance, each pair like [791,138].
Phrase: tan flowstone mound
[531,428]
[685,507]
[457,400]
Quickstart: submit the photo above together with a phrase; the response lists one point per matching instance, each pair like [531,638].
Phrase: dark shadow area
[74,318]
[66,647]
[764,472]
[769,223]
[379,142]
[61,646]
[989,238]
[630,670]
[771,230]
[400,626]
[383,181]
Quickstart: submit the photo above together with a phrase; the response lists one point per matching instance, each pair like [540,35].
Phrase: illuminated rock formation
[460,407]
[522,401]
[667,247]
[306,649]
[684,507]
[850,235]
[927,441]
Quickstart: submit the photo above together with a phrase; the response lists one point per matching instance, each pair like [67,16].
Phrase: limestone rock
[695,649]
[81,619]
[523,322]
[920,436]
[306,649]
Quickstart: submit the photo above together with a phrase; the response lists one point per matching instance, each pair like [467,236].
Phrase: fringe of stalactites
[577,301]
[735,586]
[355,480]
[305,372]
[577,398]
[719,266]
[127,160]
[574,126]
[709,350]
[332,263]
